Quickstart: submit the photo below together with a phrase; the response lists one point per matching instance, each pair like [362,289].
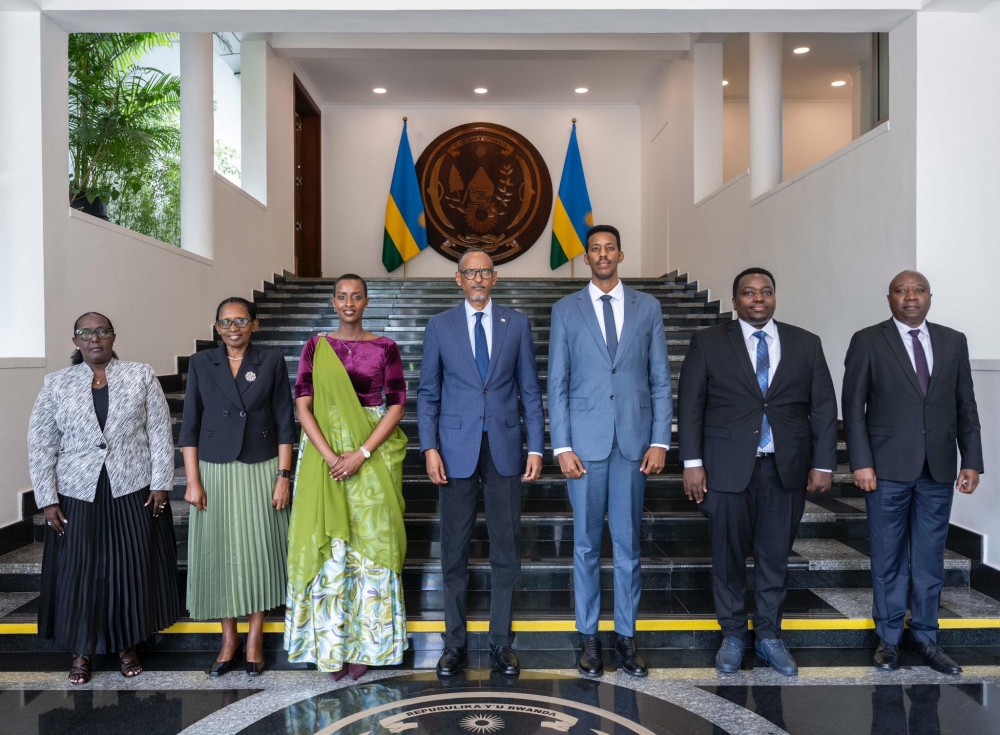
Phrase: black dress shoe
[628,658]
[221,668]
[590,657]
[255,668]
[452,661]
[504,660]
[886,656]
[934,657]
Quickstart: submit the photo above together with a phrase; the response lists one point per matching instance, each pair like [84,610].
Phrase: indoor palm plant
[121,116]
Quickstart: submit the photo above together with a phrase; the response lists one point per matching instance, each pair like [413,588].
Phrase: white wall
[160,298]
[359,152]
[811,131]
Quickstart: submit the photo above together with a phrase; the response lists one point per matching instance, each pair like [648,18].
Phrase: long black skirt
[110,581]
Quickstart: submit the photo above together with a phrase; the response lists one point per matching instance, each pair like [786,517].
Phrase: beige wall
[811,131]
[161,299]
[359,151]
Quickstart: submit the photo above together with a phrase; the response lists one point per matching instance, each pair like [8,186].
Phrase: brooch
[250,376]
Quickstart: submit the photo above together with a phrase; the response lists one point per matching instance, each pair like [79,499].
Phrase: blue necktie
[610,332]
[482,350]
[763,366]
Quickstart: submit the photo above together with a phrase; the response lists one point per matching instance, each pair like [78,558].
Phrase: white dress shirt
[925,342]
[470,318]
[770,331]
[617,295]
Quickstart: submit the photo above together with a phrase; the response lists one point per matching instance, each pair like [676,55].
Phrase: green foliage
[124,137]
[227,160]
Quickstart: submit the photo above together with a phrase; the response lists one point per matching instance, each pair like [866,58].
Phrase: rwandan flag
[405,227]
[573,216]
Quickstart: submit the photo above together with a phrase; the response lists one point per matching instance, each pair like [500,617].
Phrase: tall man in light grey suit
[609,412]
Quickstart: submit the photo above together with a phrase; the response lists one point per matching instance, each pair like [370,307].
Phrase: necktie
[763,367]
[482,350]
[610,332]
[920,358]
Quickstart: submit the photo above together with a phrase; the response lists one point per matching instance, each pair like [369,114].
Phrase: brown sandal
[80,674]
[129,668]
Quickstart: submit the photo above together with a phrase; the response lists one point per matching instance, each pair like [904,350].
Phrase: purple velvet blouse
[374,365]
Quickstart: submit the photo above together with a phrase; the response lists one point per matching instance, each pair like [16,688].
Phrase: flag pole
[572,262]
[404,262]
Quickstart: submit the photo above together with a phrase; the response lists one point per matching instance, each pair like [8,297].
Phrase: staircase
[829,600]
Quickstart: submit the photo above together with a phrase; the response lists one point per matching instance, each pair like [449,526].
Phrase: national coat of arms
[484,186]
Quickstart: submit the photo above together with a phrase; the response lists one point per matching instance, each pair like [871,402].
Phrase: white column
[765,112]
[707,119]
[197,143]
[253,116]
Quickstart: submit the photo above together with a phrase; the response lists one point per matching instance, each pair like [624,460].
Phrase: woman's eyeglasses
[227,323]
[88,334]
[469,274]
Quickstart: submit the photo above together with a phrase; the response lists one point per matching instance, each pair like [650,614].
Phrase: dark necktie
[610,332]
[920,358]
[482,350]
[763,368]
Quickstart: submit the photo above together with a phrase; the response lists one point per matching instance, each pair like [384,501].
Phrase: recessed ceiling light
[480,90]
[725,82]
[801,50]
[379,90]
[838,83]
[582,90]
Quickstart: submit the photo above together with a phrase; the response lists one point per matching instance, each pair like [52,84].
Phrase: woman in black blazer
[237,436]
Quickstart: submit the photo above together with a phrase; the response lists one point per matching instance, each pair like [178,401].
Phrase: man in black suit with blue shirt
[909,410]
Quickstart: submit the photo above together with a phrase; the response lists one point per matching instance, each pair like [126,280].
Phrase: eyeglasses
[227,323]
[88,334]
[469,274]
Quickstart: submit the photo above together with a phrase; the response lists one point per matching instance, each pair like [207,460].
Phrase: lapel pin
[250,376]
[503,320]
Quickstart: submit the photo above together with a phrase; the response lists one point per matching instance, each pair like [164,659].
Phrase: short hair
[752,272]
[351,277]
[77,357]
[611,230]
[470,251]
[251,309]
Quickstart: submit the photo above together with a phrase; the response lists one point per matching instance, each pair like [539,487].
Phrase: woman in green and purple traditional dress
[346,540]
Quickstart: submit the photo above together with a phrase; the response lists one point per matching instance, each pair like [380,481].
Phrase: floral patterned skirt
[352,612]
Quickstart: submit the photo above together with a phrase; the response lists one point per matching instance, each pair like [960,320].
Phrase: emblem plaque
[484,186]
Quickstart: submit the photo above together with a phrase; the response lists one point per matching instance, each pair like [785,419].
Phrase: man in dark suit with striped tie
[909,410]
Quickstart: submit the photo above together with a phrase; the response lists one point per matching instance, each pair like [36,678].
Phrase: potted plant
[121,115]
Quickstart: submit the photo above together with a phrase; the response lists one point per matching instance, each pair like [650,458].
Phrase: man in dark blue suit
[477,358]
[909,410]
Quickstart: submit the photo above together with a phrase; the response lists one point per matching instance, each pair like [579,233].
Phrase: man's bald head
[910,298]
[908,275]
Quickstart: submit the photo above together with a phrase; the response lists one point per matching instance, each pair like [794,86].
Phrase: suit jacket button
[102,445]
[485,391]
[243,414]
[225,413]
[922,431]
[612,398]
[615,371]
[765,405]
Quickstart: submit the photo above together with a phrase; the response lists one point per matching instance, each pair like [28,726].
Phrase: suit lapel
[83,382]
[250,364]
[937,345]
[899,349]
[628,325]
[224,376]
[500,324]
[787,338]
[742,356]
[460,326]
[590,319]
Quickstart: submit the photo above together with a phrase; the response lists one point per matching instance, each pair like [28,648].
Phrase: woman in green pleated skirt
[237,438]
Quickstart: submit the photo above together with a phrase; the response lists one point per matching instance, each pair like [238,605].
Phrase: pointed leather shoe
[221,668]
[934,657]
[776,654]
[590,657]
[628,658]
[452,661]
[886,656]
[504,660]
[729,659]
[255,668]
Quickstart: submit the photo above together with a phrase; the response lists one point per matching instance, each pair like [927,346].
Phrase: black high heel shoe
[255,668]
[221,668]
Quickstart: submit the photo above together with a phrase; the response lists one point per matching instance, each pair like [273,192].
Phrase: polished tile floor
[834,693]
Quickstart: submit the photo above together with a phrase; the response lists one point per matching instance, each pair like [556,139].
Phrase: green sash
[366,510]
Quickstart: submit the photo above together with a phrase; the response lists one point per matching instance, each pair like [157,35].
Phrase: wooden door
[308,186]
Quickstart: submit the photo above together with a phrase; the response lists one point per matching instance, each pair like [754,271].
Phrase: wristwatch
[368,455]
[287,474]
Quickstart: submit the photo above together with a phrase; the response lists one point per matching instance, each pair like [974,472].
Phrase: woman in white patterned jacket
[101,458]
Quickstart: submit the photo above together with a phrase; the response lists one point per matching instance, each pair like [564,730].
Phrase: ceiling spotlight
[725,82]
[838,83]
[379,90]
[801,50]
[480,90]
[582,90]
